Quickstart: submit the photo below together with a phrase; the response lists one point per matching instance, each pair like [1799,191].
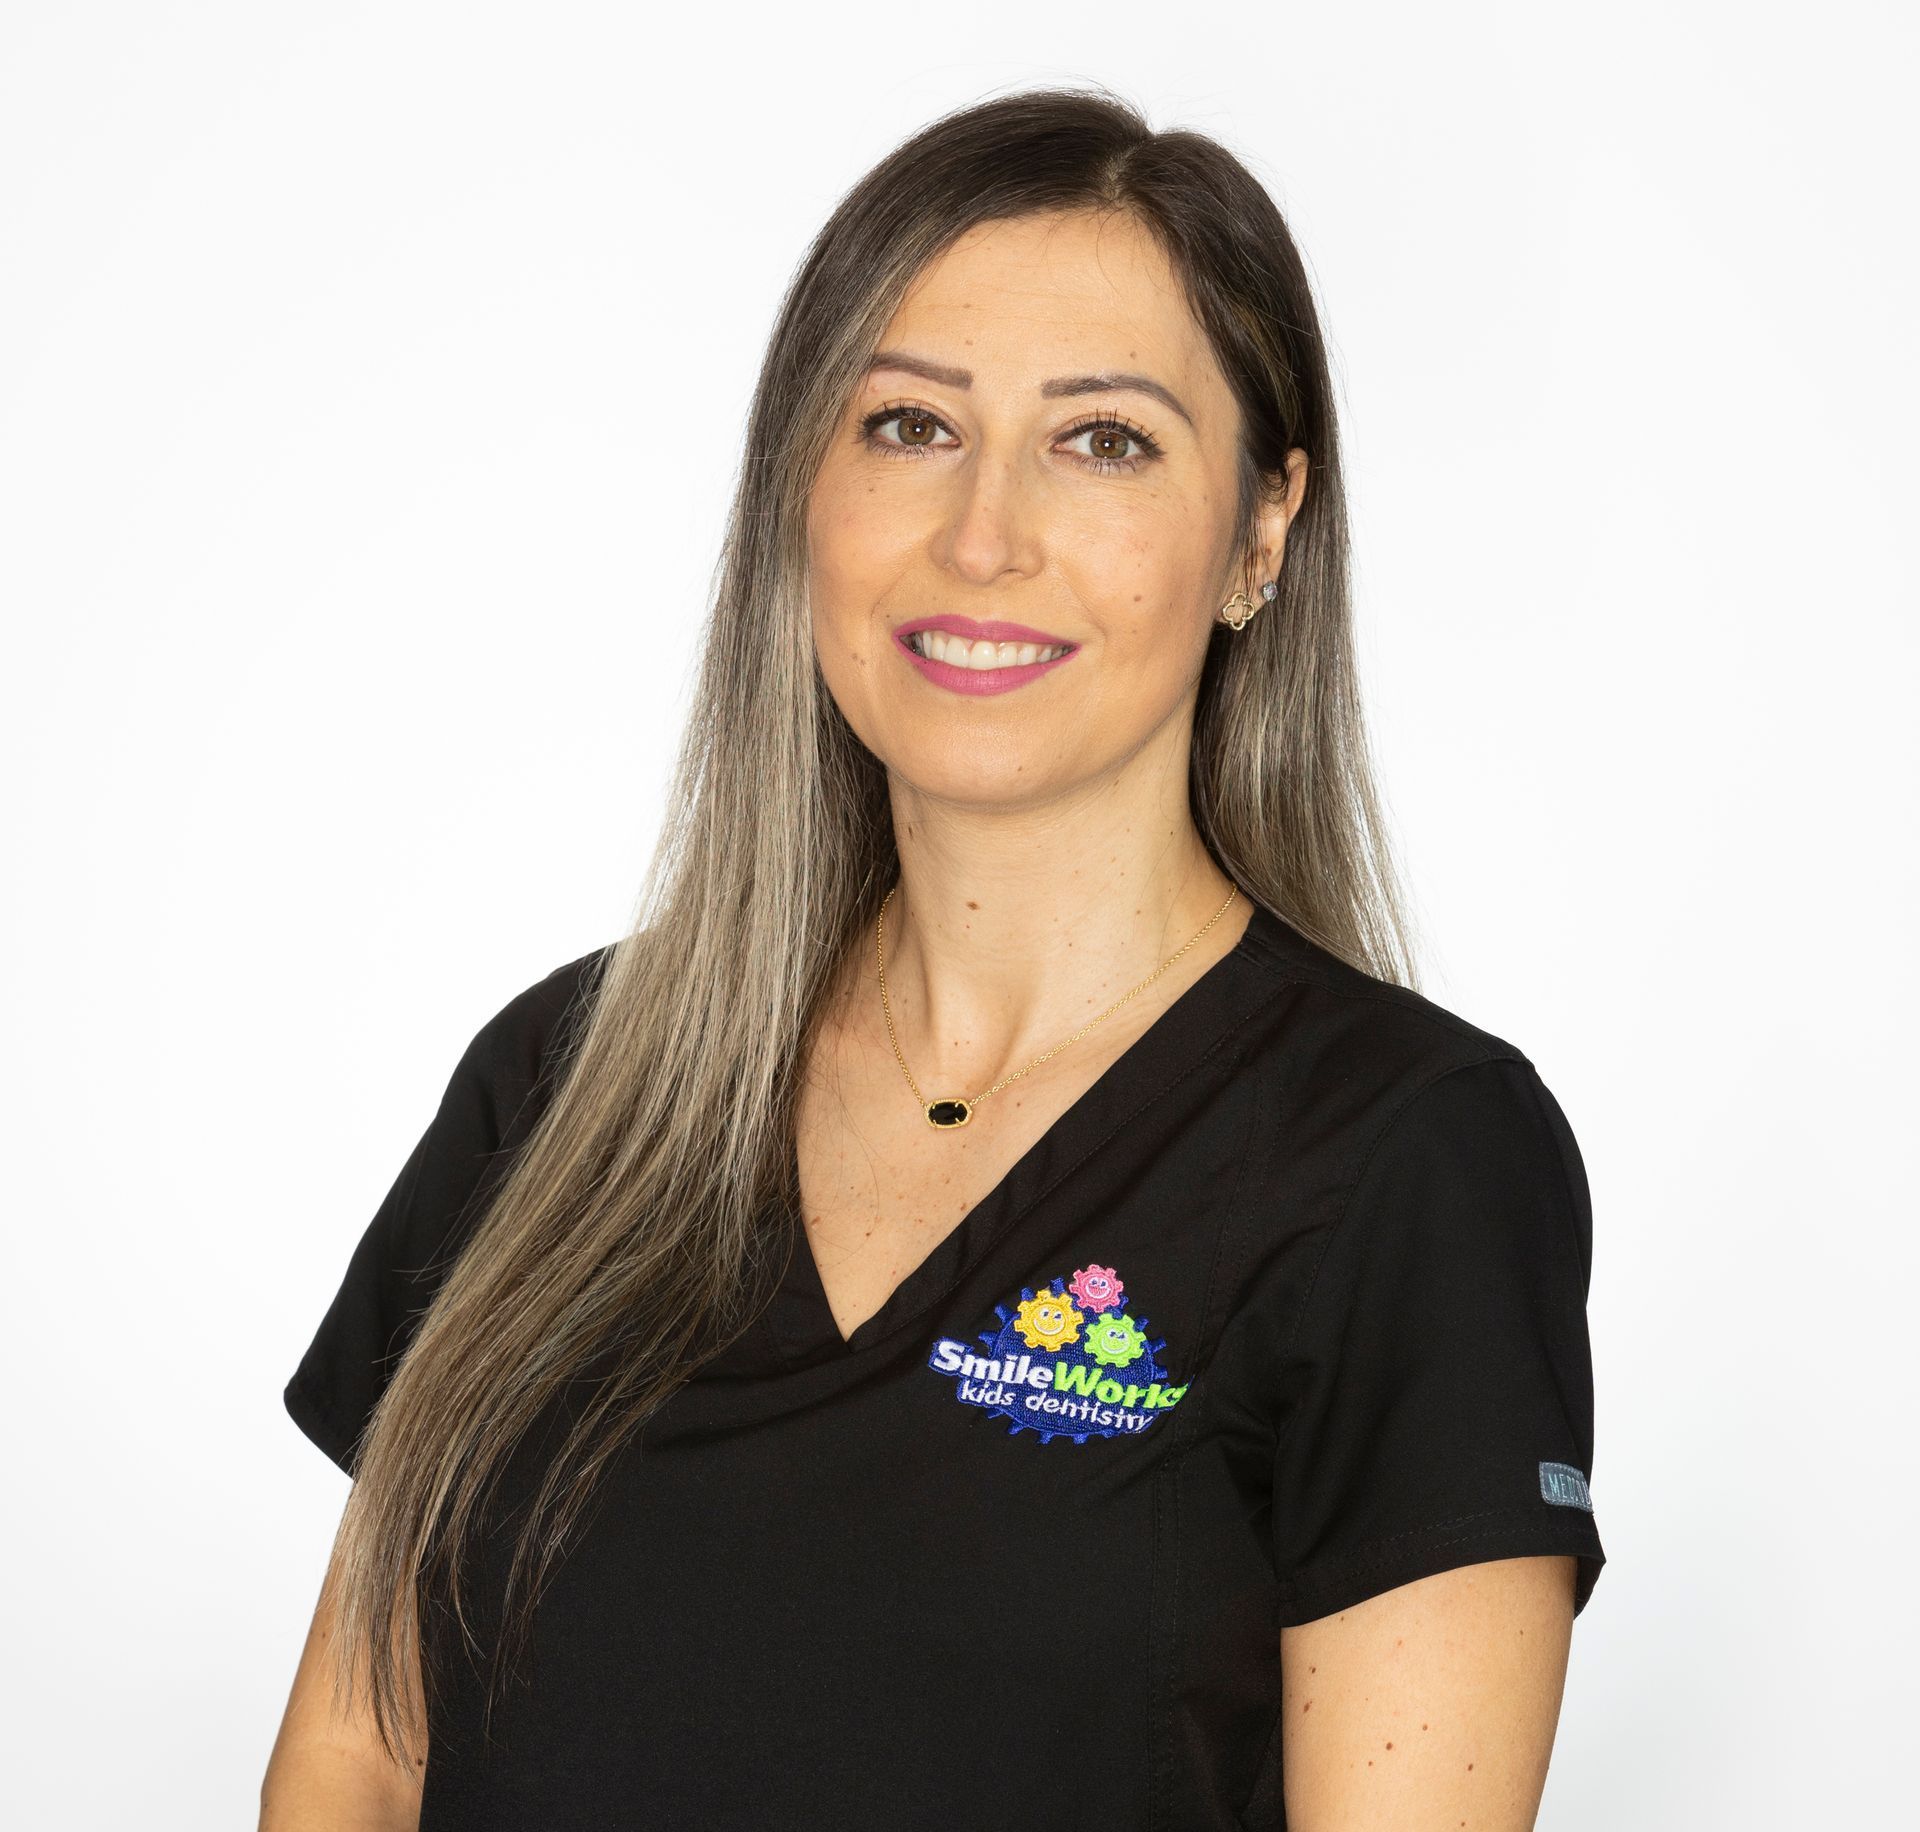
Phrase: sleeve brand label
[1565,1486]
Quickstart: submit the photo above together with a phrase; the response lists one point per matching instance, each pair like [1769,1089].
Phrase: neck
[1012,929]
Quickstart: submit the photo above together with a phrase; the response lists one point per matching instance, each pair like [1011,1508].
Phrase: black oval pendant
[948,1112]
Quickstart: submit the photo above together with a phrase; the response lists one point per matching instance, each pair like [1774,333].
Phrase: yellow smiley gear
[1047,1321]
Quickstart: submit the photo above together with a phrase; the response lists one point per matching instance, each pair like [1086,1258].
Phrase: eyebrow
[1112,382]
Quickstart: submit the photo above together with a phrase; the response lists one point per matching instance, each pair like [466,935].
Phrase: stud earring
[1240,607]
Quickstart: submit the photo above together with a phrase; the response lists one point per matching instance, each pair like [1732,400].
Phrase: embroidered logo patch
[1068,1361]
[1563,1484]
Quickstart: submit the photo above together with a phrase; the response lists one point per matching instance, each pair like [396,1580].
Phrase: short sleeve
[443,1189]
[1438,1388]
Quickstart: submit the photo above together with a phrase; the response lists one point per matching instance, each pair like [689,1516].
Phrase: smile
[958,652]
[967,657]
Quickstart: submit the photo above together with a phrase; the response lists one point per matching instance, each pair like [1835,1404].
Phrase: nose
[994,526]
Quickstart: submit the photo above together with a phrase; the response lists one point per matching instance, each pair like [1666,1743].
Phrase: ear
[1282,502]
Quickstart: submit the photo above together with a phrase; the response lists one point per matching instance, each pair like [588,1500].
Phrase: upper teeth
[958,652]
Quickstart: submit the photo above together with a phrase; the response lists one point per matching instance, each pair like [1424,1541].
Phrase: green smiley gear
[1114,1341]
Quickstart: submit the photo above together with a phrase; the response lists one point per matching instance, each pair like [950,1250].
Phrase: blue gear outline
[1005,1342]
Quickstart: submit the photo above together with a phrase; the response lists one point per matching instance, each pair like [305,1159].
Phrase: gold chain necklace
[953,1110]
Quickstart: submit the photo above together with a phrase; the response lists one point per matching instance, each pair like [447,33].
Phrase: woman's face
[1045,441]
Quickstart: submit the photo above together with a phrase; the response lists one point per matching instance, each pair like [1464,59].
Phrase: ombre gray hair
[630,1235]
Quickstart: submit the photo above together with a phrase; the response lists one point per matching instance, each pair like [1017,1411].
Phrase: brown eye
[1109,438]
[918,435]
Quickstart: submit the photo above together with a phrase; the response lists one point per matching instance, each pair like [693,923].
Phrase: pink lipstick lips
[1002,679]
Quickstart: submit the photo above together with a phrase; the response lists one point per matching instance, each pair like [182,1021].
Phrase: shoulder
[519,1047]
[1360,1079]
[1345,1025]
[1419,1148]
[528,1023]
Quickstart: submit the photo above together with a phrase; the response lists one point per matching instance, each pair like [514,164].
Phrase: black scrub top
[1289,1308]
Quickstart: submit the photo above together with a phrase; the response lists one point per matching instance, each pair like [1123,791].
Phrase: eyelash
[898,410]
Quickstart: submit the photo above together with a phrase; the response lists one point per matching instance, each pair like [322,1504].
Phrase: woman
[997,1297]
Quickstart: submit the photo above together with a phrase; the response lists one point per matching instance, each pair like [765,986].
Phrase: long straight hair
[630,1235]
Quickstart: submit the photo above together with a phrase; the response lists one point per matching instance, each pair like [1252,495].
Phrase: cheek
[856,545]
[1152,597]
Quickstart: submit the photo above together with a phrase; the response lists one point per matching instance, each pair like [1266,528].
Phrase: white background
[371,383]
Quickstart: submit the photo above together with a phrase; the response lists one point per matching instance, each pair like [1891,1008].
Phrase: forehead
[1038,296]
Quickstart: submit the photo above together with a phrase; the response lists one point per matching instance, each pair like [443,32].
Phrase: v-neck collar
[1195,1024]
